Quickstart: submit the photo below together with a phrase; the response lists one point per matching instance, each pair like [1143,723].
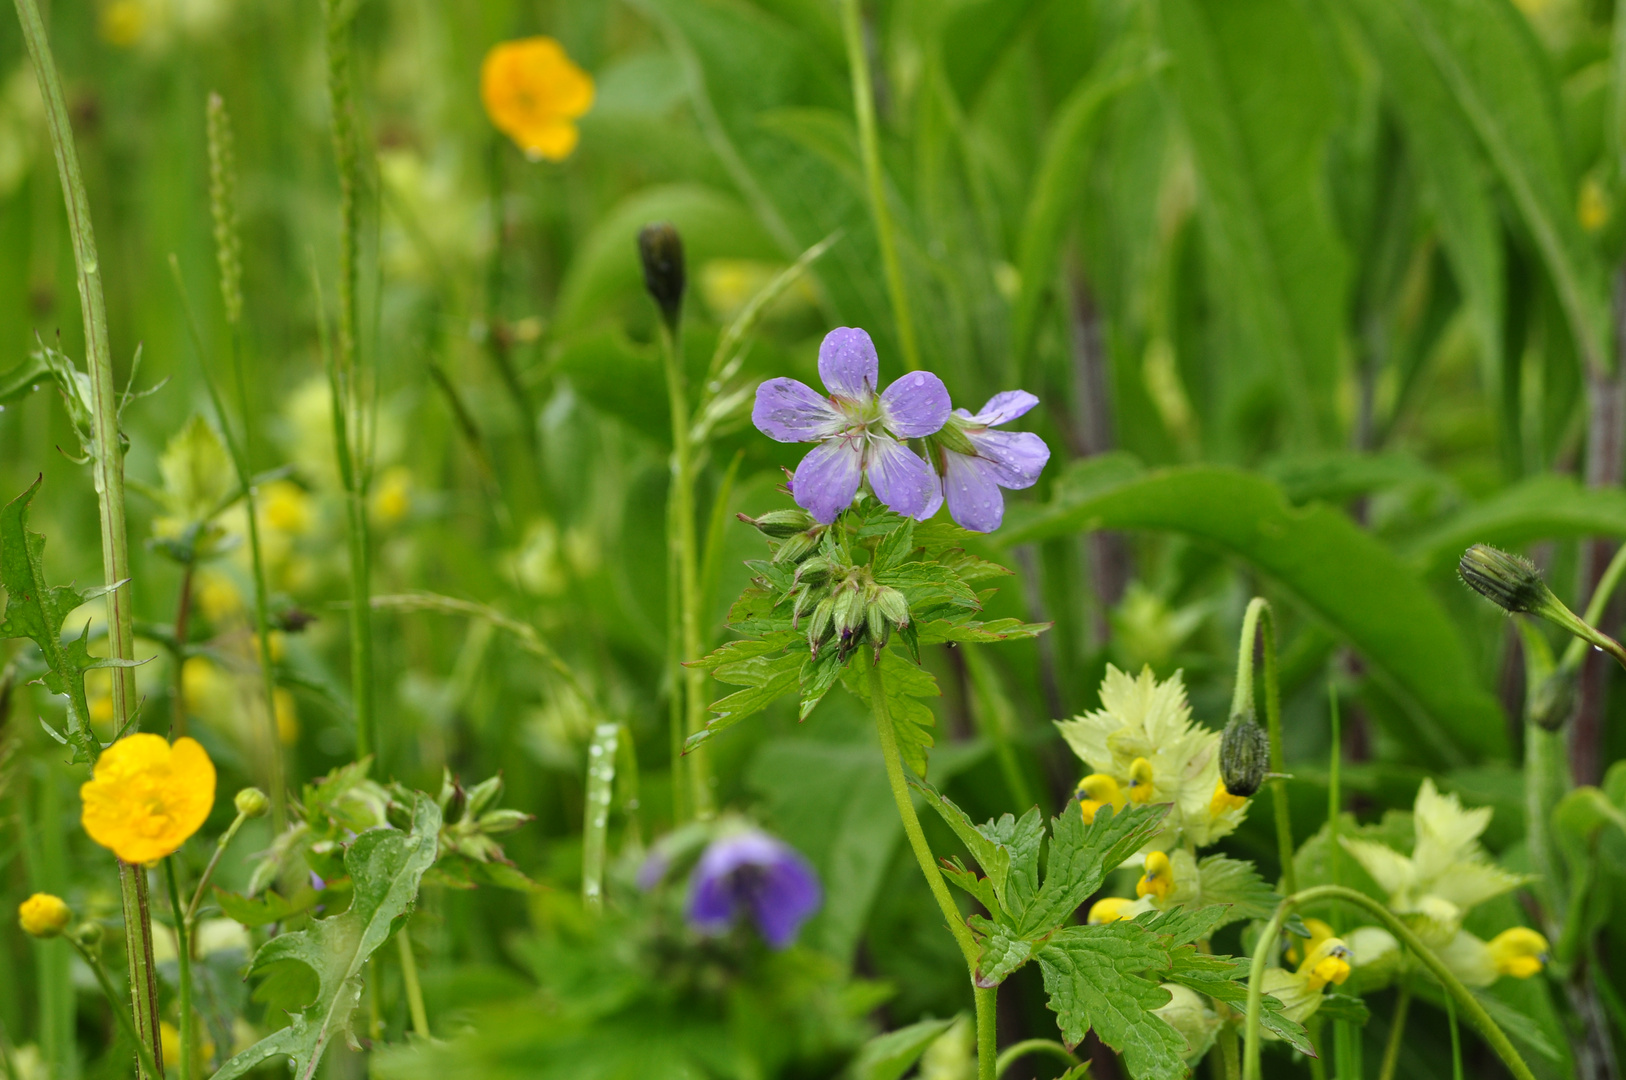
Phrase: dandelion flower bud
[43,915]
[1158,881]
[1244,756]
[661,249]
[252,803]
[1511,582]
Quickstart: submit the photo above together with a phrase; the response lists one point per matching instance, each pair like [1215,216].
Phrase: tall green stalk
[869,147]
[1461,995]
[183,961]
[984,999]
[228,254]
[345,378]
[108,469]
[1256,623]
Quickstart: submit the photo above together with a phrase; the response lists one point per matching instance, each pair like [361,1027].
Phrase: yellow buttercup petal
[147,797]
[533,92]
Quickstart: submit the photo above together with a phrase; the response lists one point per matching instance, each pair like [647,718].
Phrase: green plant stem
[987,1038]
[108,469]
[1230,1059]
[1397,1028]
[350,438]
[414,989]
[601,762]
[681,540]
[1464,998]
[1009,1056]
[1456,1040]
[93,960]
[869,147]
[214,861]
[183,618]
[1259,620]
[183,960]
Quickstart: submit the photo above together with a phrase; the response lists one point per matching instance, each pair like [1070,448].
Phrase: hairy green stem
[682,542]
[987,1037]
[93,960]
[1397,1028]
[1259,621]
[1459,993]
[1009,1056]
[869,147]
[214,861]
[349,430]
[183,960]
[108,469]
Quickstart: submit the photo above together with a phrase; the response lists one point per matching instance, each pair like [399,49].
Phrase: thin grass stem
[414,988]
[1397,1029]
[183,960]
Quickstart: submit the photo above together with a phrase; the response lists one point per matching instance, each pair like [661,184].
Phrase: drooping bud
[482,795]
[251,802]
[1511,582]
[1244,756]
[43,915]
[661,250]
[781,524]
[815,571]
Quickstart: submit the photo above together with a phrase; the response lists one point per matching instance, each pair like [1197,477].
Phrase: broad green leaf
[889,1056]
[1251,85]
[766,679]
[1223,880]
[386,866]
[993,858]
[1081,856]
[1502,80]
[1002,952]
[1545,507]
[1092,975]
[937,631]
[1346,1007]
[912,719]
[1348,579]
[265,909]
[37,611]
[1022,837]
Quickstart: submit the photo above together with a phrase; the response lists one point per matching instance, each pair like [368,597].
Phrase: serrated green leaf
[735,651]
[271,907]
[929,585]
[386,866]
[1022,838]
[993,857]
[766,678]
[1081,856]
[1223,880]
[1002,953]
[818,675]
[37,611]
[939,631]
[1346,1007]
[979,888]
[896,546]
[889,1056]
[912,719]
[1092,975]
[1225,978]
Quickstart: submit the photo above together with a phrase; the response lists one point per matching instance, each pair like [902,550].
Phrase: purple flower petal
[827,479]
[915,406]
[1015,458]
[901,478]
[791,411]
[848,364]
[974,499]
[757,872]
[1004,407]
[788,895]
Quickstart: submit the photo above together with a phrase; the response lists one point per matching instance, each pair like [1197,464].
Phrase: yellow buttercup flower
[1097,790]
[1140,781]
[534,93]
[1159,879]
[147,797]
[43,915]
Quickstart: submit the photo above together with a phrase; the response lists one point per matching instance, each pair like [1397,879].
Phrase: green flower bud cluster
[480,819]
[846,605]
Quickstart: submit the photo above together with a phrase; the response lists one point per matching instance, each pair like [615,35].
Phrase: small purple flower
[857,429]
[976,461]
[753,871]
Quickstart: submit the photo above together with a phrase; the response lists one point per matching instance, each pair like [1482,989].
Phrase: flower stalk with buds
[1513,583]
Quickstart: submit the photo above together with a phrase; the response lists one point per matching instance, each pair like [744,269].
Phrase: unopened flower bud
[89,935]
[1244,756]
[43,915]
[661,249]
[482,795]
[781,524]
[1511,582]
[815,571]
[501,821]
[894,606]
[252,803]
[1553,700]
[818,627]
[849,616]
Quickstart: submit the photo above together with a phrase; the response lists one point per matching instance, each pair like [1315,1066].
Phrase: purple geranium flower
[976,461]
[857,429]
[753,871]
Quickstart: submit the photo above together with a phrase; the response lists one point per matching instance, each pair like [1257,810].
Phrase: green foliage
[385,867]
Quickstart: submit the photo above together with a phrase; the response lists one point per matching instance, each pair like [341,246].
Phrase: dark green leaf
[268,908]
[1081,856]
[1002,953]
[993,857]
[912,718]
[1091,975]
[1223,880]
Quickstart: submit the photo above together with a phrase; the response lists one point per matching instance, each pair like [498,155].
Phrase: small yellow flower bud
[43,915]
[1109,909]
[252,802]
[1159,879]
[1097,790]
[1519,952]
[1140,781]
